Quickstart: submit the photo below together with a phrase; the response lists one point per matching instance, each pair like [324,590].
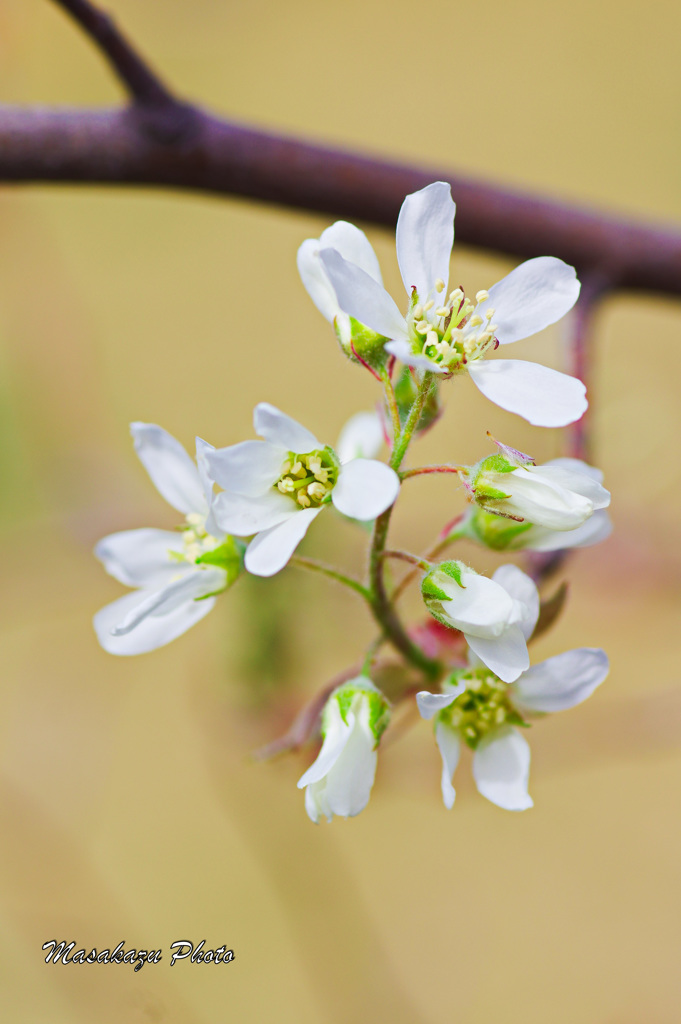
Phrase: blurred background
[130,805]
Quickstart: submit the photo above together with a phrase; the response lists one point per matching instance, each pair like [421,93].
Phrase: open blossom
[447,332]
[176,573]
[480,709]
[559,495]
[340,780]
[275,488]
[497,616]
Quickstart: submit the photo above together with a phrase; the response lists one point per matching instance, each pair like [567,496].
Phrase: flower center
[196,540]
[309,479]
[484,705]
[452,333]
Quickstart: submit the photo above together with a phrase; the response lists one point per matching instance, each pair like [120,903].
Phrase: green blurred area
[130,807]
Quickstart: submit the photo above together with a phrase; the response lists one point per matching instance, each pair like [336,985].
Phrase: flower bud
[353,720]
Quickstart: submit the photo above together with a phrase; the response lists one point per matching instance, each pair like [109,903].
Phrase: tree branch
[162,142]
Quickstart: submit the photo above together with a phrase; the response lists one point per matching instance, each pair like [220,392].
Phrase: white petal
[402,351]
[430,703]
[140,558]
[577,466]
[172,471]
[450,745]
[152,632]
[501,769]
[481,606]
[316,803]
[207,483]
[361,437]
[349,781]
[270,550]
[571,479]
[544,397]
[353,245]
[362,297]
[365,488]
[190,586]
[505,655]
[337,736]
[521,588]
[242,516]
[539,497]
[316,280]
[593,531]
[250,468]
[563,681]
[425,235]
[283,431]
[534,295]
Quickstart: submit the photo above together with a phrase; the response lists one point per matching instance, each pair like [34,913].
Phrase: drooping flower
[275,488]
[340,780]
[176,574]
[449,333]
[497,616]
[507,535]
[480,709]
[559,495]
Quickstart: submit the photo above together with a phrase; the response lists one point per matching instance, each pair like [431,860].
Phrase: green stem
[391,401]
[328,570]
[381,605]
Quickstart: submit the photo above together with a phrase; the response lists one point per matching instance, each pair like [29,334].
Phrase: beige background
[129,806]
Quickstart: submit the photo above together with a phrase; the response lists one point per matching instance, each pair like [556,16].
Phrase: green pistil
[484,705]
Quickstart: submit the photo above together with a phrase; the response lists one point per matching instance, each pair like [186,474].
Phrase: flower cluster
[246,508]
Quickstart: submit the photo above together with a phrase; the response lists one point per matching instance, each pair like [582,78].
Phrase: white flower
[482,711]
[450,334]
[560,495]
[497,616]
[275,488]
[176,573]
[340,780]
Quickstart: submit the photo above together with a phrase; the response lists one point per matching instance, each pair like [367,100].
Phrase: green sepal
[515,718]
[228,556]
[494,464]
[485,493]
[367,344]
[430,589]
[453,570]
[495,532]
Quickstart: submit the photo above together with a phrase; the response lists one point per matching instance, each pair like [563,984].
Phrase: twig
[188,148]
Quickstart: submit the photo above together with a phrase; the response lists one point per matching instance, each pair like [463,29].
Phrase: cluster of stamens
[483,706]
[196,540]
[308,479]
[454,333]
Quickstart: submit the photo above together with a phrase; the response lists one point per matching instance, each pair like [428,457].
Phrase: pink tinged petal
[242,516]
[573,479]
[362,297]
[269,552]
[425,236]
[361,437]
[522,589]
[534,295]
[365,489]
[190,586]
[450,746]
[593,531]
[402,351]
[172,471]
[250,468]
[282,431]
[141,558]
[152,632]
[335,740]
[544,397]
[430,703]
[505,655]
[501,769]
[563,681]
